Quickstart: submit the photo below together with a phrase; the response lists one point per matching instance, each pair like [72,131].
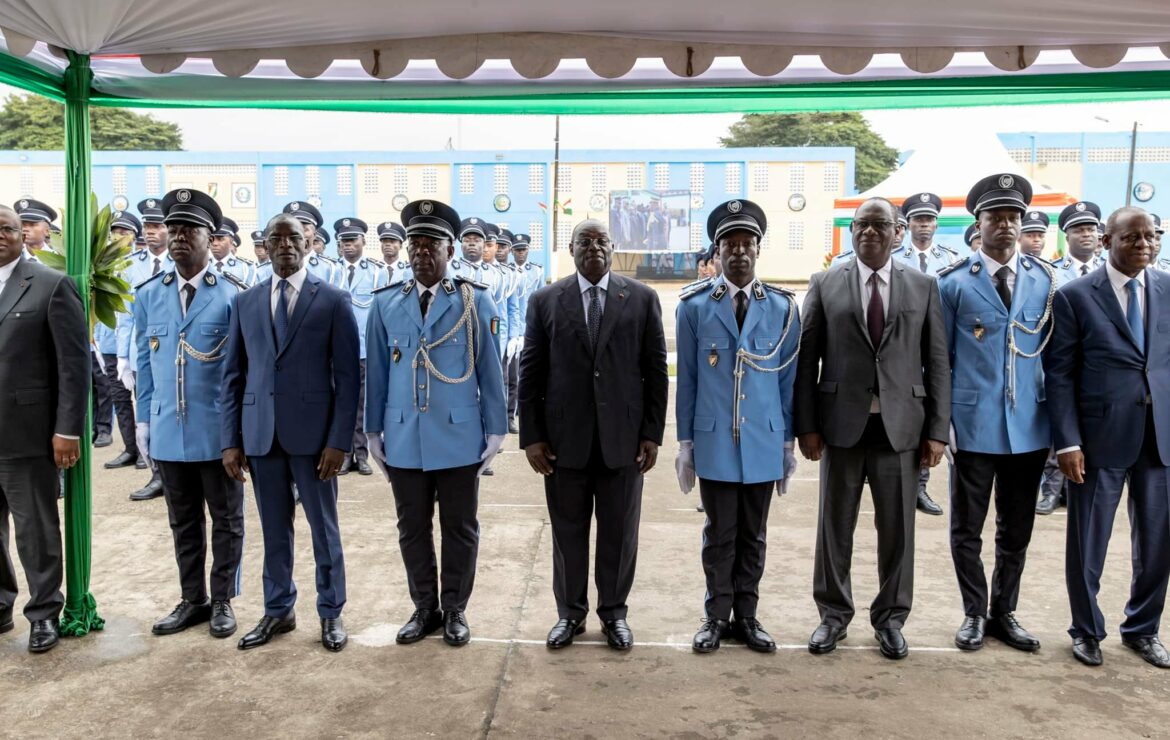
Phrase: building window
[796,178]
[564,179]
[153,181]
[536,234]
[760,177]
[1021,156]
[832,178]
[698,177]
[796,235]
[466,179]
[1050,155]
[401,182]
[564,233]
[733,179]
[598,181]
[662,176]
[369,180]
[500,178]
[536,179]
[119,181]
[697,234]
[280,180]
[828,235]
[430,180]
[26,182]
[58,180]
[344,179]
[313,181]
[635,176]
[1152,154]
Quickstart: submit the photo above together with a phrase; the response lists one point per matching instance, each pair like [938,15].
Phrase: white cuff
[66,436]
[1074,448]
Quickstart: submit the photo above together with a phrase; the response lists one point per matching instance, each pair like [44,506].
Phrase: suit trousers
[123,401]
[1092,506]
[102,403]
[360,453]
[571,495]
[28,491]
[188,487]
[415,494]
[735,540]
[893,483]
[1015,478]
[273,477]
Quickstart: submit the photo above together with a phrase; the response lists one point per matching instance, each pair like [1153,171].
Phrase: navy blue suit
[284,405]
[1112,399]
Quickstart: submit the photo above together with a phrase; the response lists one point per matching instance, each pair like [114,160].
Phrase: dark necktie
[1133,315]
[1084,269]
[188,297]
[424,302]
[1001,286]
[875,314]
[352,269]
[740,308]
[922,261]
[219,266]
[157,266]
[280,318]
[594,318]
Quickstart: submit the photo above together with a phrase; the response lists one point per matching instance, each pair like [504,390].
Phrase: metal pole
[1132,156]
[556,181]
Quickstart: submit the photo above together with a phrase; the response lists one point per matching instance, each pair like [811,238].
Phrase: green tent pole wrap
[80,607]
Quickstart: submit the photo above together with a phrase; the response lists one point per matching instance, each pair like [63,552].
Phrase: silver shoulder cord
[182,351]
[1014,350]
[469,321]
[745,359]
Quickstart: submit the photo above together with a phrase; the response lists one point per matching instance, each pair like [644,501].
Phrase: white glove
[494,443]
[378,452]
[125,373]
[142,439]
[789,468]
[514,345]
[684,465]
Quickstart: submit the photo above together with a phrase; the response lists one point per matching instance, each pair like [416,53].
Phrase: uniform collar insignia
[448,286]
[758,290]
[935,252]
[408,287]
[313,260]
[976,266]
[455,264]
[719,292]
[1027,265]
[909,251]
[209,278]
[168,278]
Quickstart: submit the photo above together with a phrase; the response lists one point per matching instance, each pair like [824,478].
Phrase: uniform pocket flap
[827,386]
[704,423]
[156,330]
[215,330]
[965,396]
[400,340]
[464,414]
[777,423]
[394,415]
[155,407]
[714,343]
[918,391]
[1032,314]
[763,343]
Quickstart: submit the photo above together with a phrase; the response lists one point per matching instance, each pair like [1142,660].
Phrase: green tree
[33,122]
[874,158]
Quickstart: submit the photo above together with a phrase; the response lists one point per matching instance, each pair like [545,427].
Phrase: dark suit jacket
[304,393]
[44,361]
[1096,379]
[568,393]
[838,364]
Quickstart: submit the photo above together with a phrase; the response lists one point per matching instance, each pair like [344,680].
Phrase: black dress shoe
[6,623]
[422,623]
[618,634]
[970,634]
[223,619]
[183,616]
[1087,650]
[489,471]
[124,460]
[103,440]
[455,629]
[268,628]
[891,643]
[1150,648]
[364,468]
[346,466]
[153,489]
[750,632]
[825,638]
[708,638]
[333,635]
[926,504]
[513,428]
[563,632]
[140,463]
[1007,629]
[1048,503]
[42,636]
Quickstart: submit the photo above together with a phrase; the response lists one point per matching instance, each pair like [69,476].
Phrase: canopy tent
[524,56]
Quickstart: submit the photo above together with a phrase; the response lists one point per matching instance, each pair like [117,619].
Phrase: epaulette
[139,253]
[945,248]
[533,264]
[954,266]
[155,276]
[690,285]
[233,280]
[386,287]
[245,260]
[1028,259]
[330,260]
[695,288]
[472,283]
[778,289]
[373,261]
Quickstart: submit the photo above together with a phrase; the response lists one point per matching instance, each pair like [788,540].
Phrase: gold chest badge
[713,359]
[979,331]
[154,344]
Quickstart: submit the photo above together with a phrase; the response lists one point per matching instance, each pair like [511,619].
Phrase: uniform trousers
[123,402]
[893,483]
[1092,506]
[273,477]
[189,487]
[571,495]
[735,540]
[415,494]
[360,453]
[1015,478]
[103,404]
[512,376]
[28,491]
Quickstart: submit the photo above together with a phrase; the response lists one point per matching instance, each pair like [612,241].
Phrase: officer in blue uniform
[360,277]
[181,320]
[118,400]
[530,278]
[1079,223]
[435,416]
[1033,234]
[469,265]
[263,263]
[36,224]
[997,306]
[320,241]
[223,261]
[515,320]
[311,221]
[153,259]
[737,340]
[972,238]
[390,238]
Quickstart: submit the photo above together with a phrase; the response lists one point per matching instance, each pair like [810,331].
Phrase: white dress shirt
[195,282]
[1013,266]
[1120,281]
[883,280]
[1078,266]
[585,285]
[296,281]
[6,272]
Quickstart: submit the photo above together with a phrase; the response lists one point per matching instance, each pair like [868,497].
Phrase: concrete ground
[125,682]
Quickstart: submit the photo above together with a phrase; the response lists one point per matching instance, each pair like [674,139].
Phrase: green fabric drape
[80,607]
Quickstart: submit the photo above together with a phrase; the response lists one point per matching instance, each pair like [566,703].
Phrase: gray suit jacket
[44,361]
[838,364]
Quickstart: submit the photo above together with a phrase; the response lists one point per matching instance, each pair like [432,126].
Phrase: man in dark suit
[872,402]
[44,384]
[1107,375]
[593,388]
[290,395]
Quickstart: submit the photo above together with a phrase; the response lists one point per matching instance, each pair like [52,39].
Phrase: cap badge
[1034,216]
[735,206]
[925,197]
[294,206]
[1006,181]
[345,222]
[426,208]
[150,203]
[474,220]
[1081,206]
[183,196]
